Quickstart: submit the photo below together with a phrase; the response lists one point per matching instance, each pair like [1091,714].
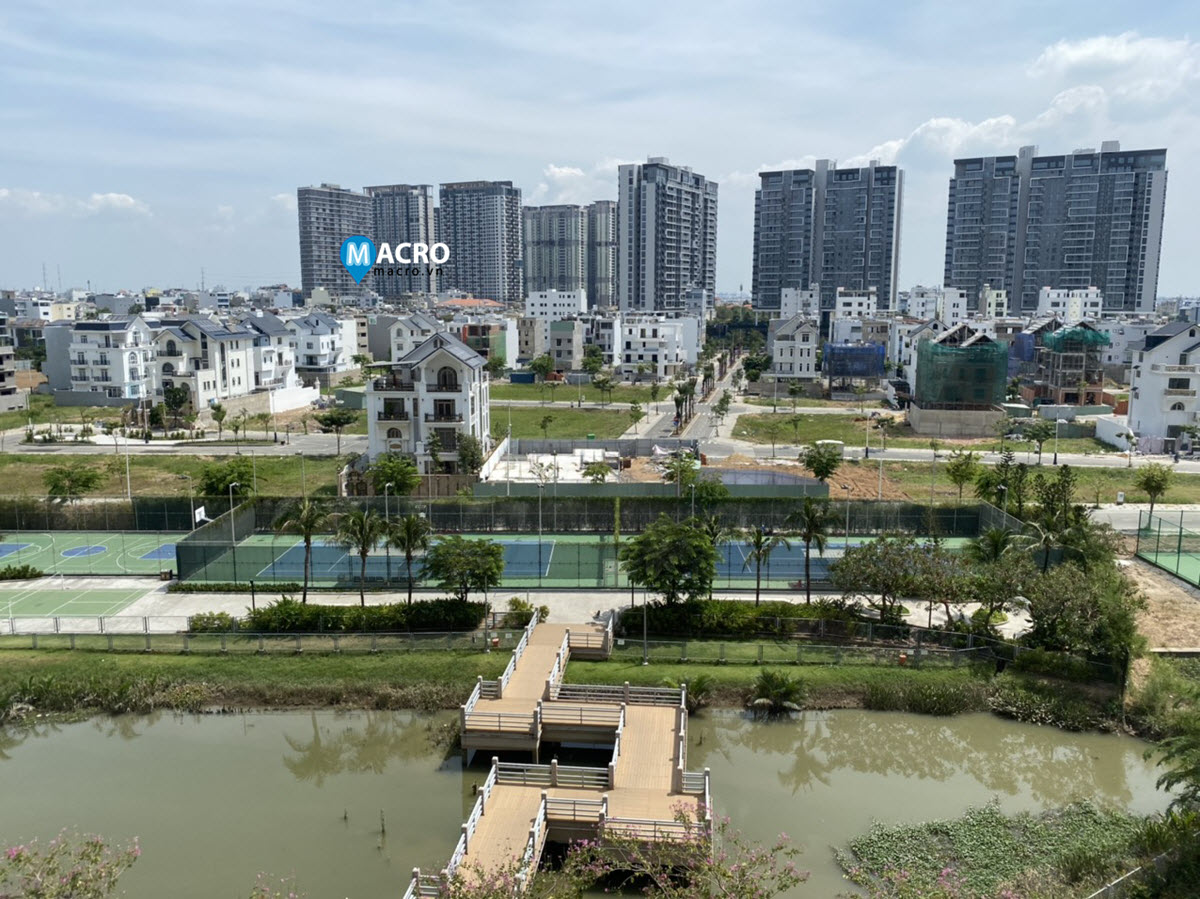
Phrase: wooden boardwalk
[643,791]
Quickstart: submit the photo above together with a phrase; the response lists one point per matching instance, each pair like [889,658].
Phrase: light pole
[303,481]
[387,544]
[1057,422]
[645,644]
[541,490]
[1003,490]
[128,480]
[1133,441]
[846,487]
[253,472]
[191,498]
[233,530]
[693,499]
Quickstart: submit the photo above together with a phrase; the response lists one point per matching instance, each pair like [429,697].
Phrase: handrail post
[627,691]
[466,839]
[553,774]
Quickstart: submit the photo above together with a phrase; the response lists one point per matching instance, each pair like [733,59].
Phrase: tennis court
[90,552]
[1172,543]
[51,603]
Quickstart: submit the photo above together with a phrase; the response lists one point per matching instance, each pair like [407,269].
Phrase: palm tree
[410,535]
[992,545]
[358,531]
[776,693]
[1040,539]
[307,519]
[812,522]
[760,545]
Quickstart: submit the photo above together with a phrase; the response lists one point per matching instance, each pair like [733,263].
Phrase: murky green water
[216,799]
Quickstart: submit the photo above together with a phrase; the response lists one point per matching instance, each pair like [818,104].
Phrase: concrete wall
[1111,429]
[954,422]
[264,401]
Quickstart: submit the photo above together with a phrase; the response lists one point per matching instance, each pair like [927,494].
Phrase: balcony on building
[392,413]
[392,383]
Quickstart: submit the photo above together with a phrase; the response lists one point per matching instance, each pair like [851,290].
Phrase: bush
[714,617]
[1053,664]
[1046,704]
[20,572]
[287,616]
[226,587]
[520,612]
[923,698]
[212,623]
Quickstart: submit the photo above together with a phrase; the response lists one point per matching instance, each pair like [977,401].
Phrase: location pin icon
[358,255]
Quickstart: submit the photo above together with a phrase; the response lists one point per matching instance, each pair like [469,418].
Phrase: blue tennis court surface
[164,553]
[733,560]
[76,551]
[7,549]
[521,559]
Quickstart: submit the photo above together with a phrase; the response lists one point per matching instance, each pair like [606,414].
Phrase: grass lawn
[567,423]
[850,429]
[1104,482]
[623,393]
[162,475]
[44,411]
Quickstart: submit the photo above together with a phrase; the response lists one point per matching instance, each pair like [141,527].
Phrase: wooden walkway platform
[642,792]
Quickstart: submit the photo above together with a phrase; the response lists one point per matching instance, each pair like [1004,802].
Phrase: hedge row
[718,617]
[20,572]
[289,616]
[226,587]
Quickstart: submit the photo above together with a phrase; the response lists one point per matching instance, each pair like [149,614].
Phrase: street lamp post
[303,480]
[387,544]
[693,500]
[541,490]
[1057,422]
[191,498]
[846,487]
[233,530]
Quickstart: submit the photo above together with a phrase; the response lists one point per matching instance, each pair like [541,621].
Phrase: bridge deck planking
[642,780]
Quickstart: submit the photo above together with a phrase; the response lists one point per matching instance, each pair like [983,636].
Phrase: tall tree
[175,399]
[358,531]
[674,559]
[822,460]
[337,420]
[461,565]
[410,535]
[759,546]
[307,519]
[1153,480]
[962,468]
[812,522]
[1039,430]
[470,454]
[72,479]
[885,568]
[636,414]
[392,468]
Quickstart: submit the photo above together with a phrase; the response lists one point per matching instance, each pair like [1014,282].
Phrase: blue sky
[142,142]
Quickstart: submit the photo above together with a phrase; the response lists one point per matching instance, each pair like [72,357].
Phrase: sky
[142,142]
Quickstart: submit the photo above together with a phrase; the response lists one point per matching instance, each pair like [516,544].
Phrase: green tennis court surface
[90,552]
[18,603]
[553,560]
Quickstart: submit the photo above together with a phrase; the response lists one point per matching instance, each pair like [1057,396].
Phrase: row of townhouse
[134,359]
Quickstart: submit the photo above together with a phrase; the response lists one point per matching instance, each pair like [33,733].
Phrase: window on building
[1179,383]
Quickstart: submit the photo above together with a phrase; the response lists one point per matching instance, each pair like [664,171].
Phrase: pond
[215,799]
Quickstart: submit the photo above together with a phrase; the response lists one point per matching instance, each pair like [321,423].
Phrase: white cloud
[1133,68]
[34,202]
[286,202]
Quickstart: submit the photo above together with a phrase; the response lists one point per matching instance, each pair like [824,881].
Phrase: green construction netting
[1070,338]
[961,376]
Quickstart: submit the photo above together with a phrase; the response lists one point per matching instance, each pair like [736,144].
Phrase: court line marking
[552,543]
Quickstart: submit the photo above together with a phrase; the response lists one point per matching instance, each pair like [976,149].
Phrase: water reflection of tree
[15,735]
[366,746]
[125,726]
[1043,763]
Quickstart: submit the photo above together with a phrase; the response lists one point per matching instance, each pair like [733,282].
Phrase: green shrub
[212,623]
[288,616]
[225,587]
[728,618]
[1045,704]
[923,698]
[1054,664]
[520,612]
[20,572]
[776,692]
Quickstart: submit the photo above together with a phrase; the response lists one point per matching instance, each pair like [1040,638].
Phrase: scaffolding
[847,362]
[961,377]
[1070,366]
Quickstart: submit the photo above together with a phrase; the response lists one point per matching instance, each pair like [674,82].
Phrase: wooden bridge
[642,792]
